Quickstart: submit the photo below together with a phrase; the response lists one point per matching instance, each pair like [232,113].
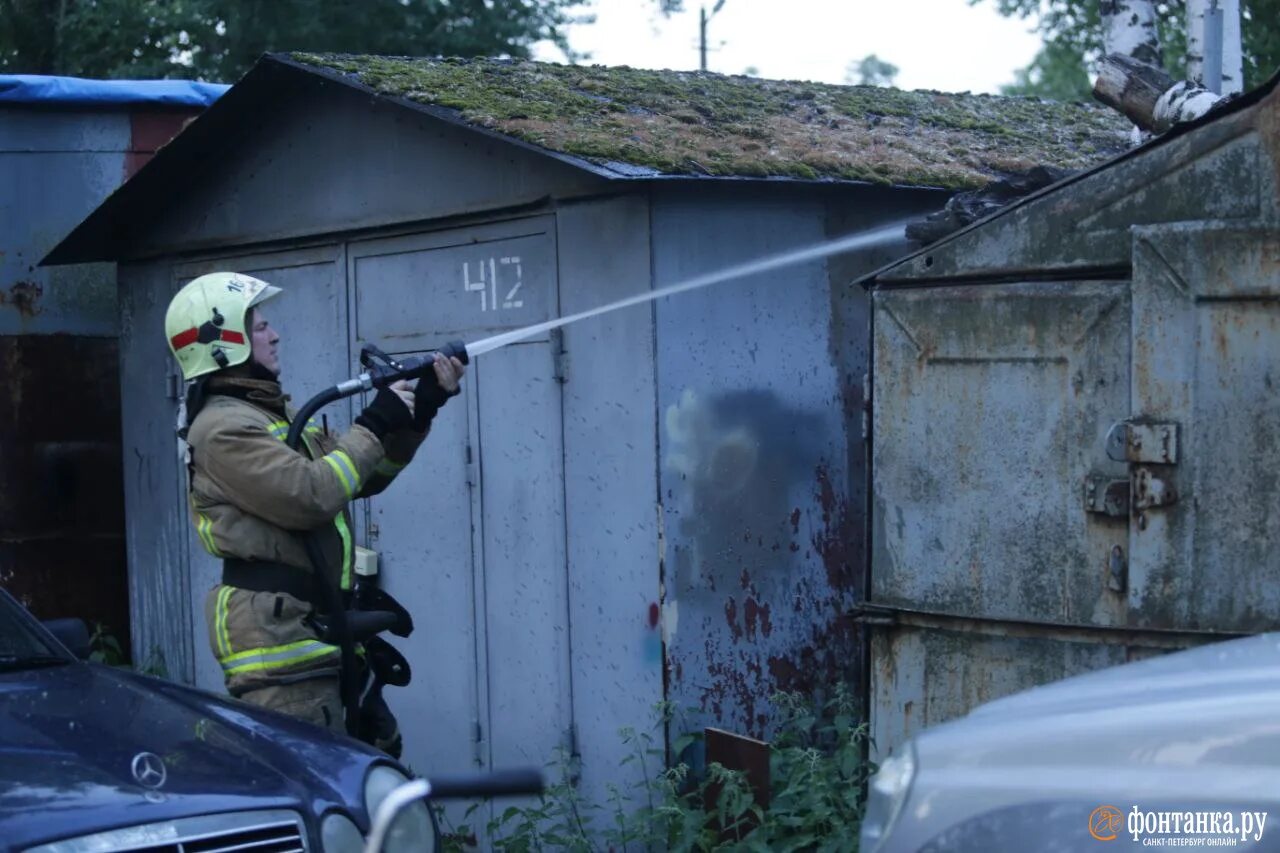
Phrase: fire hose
[380,371]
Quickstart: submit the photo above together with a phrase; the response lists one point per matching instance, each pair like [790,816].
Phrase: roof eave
[132,205]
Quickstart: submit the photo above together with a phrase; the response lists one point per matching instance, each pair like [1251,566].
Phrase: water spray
[381,369]
[865,239]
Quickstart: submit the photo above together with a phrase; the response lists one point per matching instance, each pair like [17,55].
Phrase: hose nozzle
[455,349]
[383,369]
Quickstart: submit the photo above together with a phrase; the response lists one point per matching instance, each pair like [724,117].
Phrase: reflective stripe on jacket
[252,497]
[264,638]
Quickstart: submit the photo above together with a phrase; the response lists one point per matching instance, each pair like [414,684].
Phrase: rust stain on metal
[755,614]
[839,540]
[731,616]
[1221,341]
[737,684]
[25,297]
[829,657]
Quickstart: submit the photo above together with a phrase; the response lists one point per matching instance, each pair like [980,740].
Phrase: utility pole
[1213,45]
[703,18]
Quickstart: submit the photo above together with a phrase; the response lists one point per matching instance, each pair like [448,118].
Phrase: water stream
[853,242]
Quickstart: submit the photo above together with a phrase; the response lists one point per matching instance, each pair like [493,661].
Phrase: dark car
[95,758]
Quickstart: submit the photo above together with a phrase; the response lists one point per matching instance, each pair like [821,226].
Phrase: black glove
[429,397]
[386,414]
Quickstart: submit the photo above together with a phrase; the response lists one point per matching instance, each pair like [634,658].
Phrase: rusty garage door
[1068,475]
[991,405]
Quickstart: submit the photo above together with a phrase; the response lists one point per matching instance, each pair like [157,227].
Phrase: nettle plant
[818,772]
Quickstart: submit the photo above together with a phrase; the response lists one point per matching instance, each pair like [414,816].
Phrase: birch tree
[1129,28]
[1073,42]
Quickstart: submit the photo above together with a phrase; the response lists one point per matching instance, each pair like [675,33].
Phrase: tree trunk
[59,28]
[1129,29]
[1230,48]
[1149,97]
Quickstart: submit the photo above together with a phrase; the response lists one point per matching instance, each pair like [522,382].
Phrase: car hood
[1240,669]
[1216,706]
[85,748]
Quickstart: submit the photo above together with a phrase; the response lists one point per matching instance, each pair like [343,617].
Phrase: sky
[946,45]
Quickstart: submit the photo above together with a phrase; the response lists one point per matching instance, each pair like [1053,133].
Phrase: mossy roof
[640,123]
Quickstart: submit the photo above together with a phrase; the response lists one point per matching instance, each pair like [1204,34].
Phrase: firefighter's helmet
[205,323]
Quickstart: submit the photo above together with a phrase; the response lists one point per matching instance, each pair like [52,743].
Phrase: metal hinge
[1136,440]
[1106,496]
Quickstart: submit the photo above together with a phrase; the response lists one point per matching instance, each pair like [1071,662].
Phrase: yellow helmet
[205,323]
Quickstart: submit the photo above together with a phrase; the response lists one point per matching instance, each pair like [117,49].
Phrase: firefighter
[253,499]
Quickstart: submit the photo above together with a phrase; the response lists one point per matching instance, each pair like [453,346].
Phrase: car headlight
[339,835]
[413,829]
[886,793]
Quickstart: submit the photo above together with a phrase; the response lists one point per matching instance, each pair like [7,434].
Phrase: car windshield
[20,646]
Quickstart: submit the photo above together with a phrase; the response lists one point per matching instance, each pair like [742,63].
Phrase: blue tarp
[74,91]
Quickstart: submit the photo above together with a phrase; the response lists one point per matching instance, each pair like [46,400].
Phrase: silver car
[1167,753]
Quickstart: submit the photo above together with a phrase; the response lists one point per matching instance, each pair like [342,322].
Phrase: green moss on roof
[696,123]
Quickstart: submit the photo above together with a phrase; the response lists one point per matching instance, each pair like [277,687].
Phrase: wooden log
[1149,98]
[1130,86]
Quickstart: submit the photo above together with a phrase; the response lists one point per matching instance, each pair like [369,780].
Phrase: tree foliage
[221,39]
[871,70]
[1072,31]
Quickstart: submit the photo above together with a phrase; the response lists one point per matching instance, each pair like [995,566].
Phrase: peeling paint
[839,541]
[670,620]
[25,297]
[825,660]
[731,617]
[754,614]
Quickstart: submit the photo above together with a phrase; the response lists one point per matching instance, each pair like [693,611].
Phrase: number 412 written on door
[482,277]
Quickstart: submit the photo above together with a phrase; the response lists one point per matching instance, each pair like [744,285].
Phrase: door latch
[1106,496]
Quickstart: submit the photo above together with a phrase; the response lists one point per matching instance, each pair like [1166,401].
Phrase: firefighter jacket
[254,498]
